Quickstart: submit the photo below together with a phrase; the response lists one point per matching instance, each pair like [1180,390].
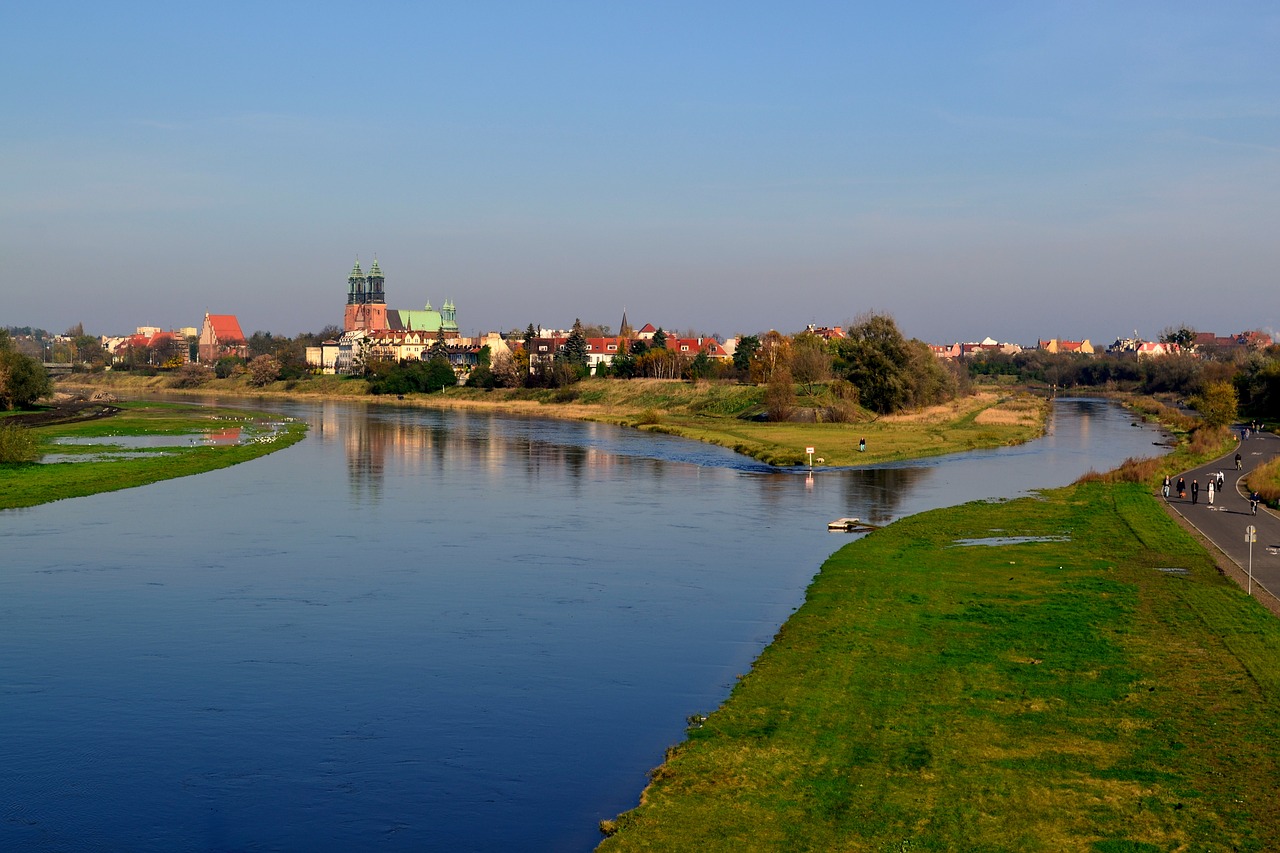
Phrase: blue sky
[1011,169]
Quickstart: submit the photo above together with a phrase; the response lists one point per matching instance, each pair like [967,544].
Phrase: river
[419,630]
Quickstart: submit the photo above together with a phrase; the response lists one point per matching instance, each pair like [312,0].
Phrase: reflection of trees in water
[426,442]
[513,454]
[871,494]
[874,494]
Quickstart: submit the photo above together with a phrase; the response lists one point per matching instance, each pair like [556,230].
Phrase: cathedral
[367,309]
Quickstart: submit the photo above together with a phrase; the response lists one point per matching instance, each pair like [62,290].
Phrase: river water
[419,630]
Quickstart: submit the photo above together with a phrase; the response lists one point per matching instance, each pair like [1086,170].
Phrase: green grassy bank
[714,412]
[1106,690]
[111,466]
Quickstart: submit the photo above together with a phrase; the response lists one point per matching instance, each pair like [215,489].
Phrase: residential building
[221,336]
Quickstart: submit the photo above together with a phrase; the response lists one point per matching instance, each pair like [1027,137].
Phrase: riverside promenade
[1225,523]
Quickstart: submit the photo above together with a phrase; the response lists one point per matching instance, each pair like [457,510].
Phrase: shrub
[17,444]
[191,375]
[264,370]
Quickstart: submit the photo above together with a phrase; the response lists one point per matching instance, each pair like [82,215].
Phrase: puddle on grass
[127,446]
[54,458]
[1009,540]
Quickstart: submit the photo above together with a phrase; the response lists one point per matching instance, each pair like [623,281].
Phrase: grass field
[1105,690]
[112,466]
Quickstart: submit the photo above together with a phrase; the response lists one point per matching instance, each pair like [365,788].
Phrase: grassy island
[1062,672]
[104,454]
[722,412]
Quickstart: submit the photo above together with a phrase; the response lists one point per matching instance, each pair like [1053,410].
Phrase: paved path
[1225,522]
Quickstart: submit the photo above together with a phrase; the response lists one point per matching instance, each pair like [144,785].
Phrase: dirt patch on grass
[64,413]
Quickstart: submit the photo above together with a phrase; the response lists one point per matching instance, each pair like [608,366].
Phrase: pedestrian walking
[1164,489]
[1238,462]
[1222,478]
[1182,488]
[1253,503]
[1195,491]
[1210,491]
[862,445]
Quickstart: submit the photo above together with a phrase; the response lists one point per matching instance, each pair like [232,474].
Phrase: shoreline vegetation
[717,412]
[1101,685]
[177,440]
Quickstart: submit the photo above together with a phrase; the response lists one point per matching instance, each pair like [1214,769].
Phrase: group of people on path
[1214,486]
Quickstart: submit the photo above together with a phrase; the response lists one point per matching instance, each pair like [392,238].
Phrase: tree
[1184,336]
[747,347]
[773,354]
[575,349]
[228,365]
[1217,403]
[23,379]
[506,372]
[440,374]
[701,366]
[780,395]
[623,365]
[264,370]
[874,357]
[810,360]
[261,343]
[439,349]
[659,339]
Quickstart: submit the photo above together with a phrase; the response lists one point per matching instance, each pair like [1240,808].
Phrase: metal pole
[1250,536]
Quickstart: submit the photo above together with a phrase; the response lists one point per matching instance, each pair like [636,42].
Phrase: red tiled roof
[226,327]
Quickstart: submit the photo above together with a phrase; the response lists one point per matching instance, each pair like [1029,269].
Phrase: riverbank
[1065,672]
[144,442]
[715,412]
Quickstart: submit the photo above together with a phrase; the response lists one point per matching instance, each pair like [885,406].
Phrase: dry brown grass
[1016,411]
[1265,480]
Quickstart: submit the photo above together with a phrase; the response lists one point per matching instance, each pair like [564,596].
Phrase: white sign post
[1251,536]
[809,450]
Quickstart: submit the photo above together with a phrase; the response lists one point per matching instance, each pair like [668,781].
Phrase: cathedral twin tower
[367,308]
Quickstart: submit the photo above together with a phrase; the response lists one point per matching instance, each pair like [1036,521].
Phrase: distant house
[602,350]
[1054,345]
[827,333]
[1208,342]
[221,336]
[968,350]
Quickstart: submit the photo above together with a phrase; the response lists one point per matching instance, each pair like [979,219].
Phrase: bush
[191,375]
[264,370]
[18,444]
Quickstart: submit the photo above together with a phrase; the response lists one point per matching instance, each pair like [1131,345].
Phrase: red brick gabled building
[221,336]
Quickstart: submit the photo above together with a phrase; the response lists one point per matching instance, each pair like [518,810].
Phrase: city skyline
[1062,170]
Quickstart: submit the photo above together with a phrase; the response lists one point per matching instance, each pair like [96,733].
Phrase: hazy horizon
[1071,170]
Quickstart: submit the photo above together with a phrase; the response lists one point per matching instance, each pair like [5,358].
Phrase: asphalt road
[1225,523]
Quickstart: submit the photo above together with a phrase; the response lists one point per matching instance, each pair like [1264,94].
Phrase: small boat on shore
[850,525]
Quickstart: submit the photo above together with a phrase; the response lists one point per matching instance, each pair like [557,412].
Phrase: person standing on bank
[1164,489]
[1195,491]
[862,445]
